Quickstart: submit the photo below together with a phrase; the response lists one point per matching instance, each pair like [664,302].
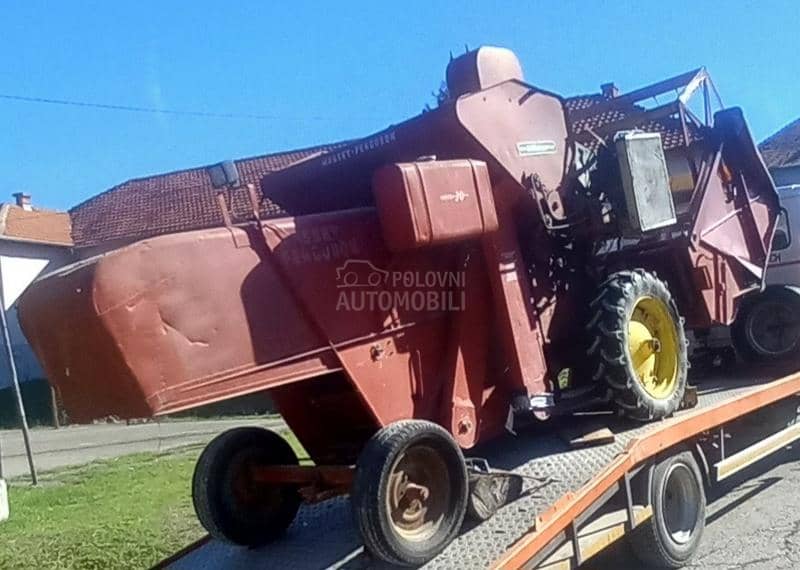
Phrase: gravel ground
[753,522]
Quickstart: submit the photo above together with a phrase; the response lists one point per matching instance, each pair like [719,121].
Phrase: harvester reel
[637,344]
[409,496]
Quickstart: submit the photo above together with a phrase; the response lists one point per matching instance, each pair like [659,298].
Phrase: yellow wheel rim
[653,346]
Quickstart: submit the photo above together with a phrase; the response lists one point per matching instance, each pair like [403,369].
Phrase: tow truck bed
[543,525]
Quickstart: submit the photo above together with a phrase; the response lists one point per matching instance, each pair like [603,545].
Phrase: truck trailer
[649,486]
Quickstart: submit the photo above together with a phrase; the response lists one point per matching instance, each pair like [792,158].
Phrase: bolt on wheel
[418,493]
[653,344]
[767,326]
[229,503]
[681,503]
[671,536]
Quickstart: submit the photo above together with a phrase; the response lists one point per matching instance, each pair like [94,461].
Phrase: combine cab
[500,256]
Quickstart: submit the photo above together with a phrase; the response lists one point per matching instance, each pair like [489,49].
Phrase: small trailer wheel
[229,504]
[671,536]
[409,495]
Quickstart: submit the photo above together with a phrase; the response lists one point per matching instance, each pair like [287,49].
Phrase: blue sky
[324,74]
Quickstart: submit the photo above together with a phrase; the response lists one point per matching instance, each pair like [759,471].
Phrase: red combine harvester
[497,257]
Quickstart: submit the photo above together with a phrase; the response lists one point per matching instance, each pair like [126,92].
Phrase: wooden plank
[586,434]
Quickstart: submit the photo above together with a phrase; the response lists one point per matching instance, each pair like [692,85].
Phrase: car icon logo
[360,273]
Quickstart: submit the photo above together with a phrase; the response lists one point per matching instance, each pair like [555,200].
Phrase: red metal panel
[516,320]
[523,130]
[168,323]
[734,212]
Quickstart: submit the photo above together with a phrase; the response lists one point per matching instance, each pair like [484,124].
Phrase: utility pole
[26,436]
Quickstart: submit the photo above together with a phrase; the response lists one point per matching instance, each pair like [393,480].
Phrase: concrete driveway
[76,445]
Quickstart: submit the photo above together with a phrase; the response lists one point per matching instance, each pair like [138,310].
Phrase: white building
[32,240]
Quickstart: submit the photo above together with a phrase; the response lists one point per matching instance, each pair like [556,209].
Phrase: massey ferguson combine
[499,257]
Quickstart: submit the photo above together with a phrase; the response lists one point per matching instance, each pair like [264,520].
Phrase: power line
[136,109]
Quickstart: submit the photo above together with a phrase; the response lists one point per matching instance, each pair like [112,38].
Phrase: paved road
[76,445]
[753,524]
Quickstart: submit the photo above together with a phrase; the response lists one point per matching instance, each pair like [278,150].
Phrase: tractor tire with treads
[637,344]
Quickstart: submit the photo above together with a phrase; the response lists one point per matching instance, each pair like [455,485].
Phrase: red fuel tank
[432,202]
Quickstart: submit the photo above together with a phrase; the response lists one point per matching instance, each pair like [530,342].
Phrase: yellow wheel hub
[653,346]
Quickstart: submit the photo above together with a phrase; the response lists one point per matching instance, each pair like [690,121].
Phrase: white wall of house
[786,176]
[20,264]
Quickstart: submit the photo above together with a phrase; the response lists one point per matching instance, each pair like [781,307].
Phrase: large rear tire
[409,495]
[767,326]
[229,504]
[638,345]
[672,535]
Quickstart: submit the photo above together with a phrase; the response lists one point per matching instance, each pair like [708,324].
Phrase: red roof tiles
[783,148]
[35,225]
[173,202]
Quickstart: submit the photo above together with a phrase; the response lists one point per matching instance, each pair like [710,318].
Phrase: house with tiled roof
[32,240]
[173,202]
[781,153]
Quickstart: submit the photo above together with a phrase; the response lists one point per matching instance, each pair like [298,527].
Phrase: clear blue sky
[331,73]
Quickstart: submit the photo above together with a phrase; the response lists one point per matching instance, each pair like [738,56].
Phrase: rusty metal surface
[323,536]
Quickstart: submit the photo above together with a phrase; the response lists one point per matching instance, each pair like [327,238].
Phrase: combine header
[497,258]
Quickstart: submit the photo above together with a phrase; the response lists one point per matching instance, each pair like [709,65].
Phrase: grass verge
[129,512]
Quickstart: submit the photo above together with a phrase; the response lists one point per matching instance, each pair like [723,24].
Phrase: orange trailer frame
[563,514]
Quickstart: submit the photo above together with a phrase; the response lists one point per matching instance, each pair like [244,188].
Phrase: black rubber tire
[270,510]
[608,354]
[652,541]
[370,488]
[741,334]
